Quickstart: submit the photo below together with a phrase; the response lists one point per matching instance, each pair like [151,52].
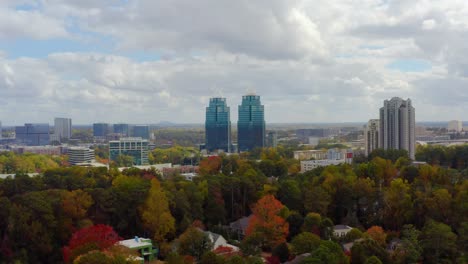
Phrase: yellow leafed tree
[155,212]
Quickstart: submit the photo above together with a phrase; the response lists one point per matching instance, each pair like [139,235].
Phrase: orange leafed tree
[267,223]
[377,234]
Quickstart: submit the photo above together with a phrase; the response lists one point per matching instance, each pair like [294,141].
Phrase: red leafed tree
[267,223]
[97,237]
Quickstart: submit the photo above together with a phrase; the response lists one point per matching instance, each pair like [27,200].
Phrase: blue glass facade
[33,134]
[142,131]
[218,125]
[100,129]
[251,123]
[137,148]
[121,129]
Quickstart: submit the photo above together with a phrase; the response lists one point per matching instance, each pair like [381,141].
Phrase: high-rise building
[62,128]
[33,134]
[251,123]
[142,131]
[78,155]
[371,136]
[136,147]
[397,125]
[218,126]
[122,129]
[272,139]
[100,130]
[455,126]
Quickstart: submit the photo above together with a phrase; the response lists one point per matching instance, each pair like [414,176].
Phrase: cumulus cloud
[311,61]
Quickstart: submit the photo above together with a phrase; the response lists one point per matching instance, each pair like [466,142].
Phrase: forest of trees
[422,211]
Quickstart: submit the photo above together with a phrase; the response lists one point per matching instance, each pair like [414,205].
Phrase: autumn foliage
[377,234]
[267,222]
[210,165]
[97,237]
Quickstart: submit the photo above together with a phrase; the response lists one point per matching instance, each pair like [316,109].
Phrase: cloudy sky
[145,61]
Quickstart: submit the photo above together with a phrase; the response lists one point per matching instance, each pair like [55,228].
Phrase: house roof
[241,224]
[342,227]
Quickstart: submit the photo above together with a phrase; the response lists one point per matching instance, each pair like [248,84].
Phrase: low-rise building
[310,154]
[78,155]
[307,165]
[341,230]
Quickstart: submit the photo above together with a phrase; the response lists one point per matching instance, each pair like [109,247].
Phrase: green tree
[398,205]
[194,242]
[155,212]
[438,242]
[305,243]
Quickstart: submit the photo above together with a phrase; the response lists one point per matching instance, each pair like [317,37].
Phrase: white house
[341,230]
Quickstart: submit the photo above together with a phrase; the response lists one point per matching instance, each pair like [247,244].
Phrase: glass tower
[33,134]
[218,126]
[251,123]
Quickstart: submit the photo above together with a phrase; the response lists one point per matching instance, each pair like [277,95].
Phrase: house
[240,226]
[341,230]
[219,241]
[143,245]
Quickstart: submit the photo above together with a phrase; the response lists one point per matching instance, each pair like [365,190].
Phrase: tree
[97,237]
[290,195]
[373,260]
[398,205]
[194,242]
[409,251]
[267,222]
[438,242]
[316,199]
[377,234]
[312,223]
[305,243]
[155,212]
[364,249]
[76,204]
[281,252]
[328,252]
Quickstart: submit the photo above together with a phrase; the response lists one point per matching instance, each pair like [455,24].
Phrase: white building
[397,125]
[455,126]
[78,155]
[310,154]
[307,165]
[341,230]
[62,128]
[371,135]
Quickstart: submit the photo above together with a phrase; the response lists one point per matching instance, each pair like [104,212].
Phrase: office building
[251,124]
[455,126]
[397,125]
[136,147]
[62,129]
[122,129]
[272,139]
[33,134]
[371,136]
[142,131]
[100,130]
[218,126]
[78,155]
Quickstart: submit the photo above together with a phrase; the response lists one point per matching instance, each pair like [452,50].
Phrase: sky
[146,61]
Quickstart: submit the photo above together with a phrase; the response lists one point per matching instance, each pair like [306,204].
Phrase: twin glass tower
[250,125]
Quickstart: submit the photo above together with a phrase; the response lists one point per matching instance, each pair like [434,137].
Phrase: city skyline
[143,61]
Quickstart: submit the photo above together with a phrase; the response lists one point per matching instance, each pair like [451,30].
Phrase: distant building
[100,130]
[251,124]
[62,128]
[142,131]
[122,129]
[397,125]
[307,165]
[371,135]
[77,155]
[136,147]
[455,126]
[304,134]
[218,126]
[43,150]
[310,154]
[33,134]
[272,139]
